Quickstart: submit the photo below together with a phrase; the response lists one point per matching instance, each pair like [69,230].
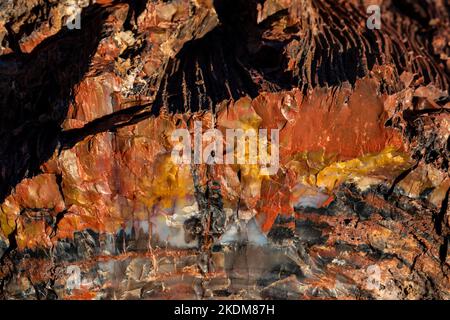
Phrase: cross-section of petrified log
[94,206]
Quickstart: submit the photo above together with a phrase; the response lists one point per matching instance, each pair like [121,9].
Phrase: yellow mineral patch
[308,164]
[9,211]
[170,183]
[384,165]
[32,234]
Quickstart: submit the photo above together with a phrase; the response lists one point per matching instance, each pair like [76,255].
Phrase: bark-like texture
[357,210]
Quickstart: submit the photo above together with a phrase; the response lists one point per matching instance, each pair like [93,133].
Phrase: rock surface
[94,207]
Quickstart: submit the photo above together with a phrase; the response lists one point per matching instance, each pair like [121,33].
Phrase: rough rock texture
[93,207]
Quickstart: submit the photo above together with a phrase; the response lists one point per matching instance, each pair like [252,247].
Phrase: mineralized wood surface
[93,207]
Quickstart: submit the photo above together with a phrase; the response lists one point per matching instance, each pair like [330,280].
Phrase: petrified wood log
[93,205]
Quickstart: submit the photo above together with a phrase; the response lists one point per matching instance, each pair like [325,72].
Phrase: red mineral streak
[323,118]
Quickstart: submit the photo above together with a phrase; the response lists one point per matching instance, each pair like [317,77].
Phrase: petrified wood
[93,206]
